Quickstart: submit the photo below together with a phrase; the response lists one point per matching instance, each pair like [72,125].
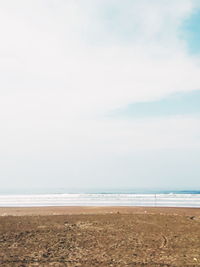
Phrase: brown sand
[100,236]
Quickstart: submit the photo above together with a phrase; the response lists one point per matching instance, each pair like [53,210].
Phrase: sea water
[180,199]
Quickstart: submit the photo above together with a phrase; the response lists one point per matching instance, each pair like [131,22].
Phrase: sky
[99,94]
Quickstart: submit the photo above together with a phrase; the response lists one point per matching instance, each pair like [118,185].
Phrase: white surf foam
[153,200]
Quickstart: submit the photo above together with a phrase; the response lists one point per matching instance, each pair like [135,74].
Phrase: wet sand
[100,236]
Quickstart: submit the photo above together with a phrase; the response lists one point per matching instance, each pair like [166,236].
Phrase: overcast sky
[100,94]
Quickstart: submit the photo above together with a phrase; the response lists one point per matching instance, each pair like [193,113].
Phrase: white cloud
[64,64]
[72,47]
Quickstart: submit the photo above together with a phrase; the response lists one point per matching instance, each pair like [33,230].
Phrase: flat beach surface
[100,236]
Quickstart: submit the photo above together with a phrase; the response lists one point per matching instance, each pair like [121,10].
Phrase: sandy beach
[100,236]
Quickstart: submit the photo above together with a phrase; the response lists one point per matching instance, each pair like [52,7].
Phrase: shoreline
[81,210]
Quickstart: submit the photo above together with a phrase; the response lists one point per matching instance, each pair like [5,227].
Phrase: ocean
[167,199]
